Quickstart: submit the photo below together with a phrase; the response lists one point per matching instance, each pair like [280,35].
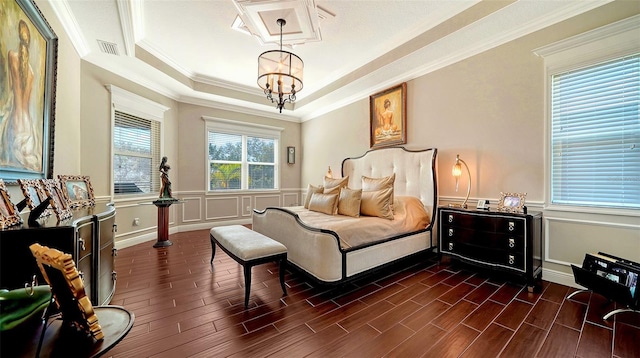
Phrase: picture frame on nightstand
[512,203]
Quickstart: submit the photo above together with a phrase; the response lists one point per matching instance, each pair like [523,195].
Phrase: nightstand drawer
[485,255]
[510,242]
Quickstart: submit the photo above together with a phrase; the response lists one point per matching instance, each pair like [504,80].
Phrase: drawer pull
[512,243]
[114,228]
[450,232]
[114,276]
[450,218]
[512,226]
[81,243]
[512,259]
[81,274]
[114,252]
[451,246]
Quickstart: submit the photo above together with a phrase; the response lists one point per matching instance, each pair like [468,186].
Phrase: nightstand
[506,242]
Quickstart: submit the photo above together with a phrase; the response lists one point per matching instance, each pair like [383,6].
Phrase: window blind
[136,158]
[595,135]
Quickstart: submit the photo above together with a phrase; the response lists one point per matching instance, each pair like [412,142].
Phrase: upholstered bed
[313,239]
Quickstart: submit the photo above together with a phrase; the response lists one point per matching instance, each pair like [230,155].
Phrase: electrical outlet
[136,222]
[248,208]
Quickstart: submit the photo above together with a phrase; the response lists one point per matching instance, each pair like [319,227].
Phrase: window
[594,110]
[136,154]
[242,156]
[595,135]
[136,143]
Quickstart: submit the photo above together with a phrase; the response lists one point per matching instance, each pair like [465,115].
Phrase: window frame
[244,129]
[138,106]
[610,42]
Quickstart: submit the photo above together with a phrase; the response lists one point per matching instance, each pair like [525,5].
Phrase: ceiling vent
[108,47]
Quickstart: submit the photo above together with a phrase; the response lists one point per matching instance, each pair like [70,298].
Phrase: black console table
[88,236]
[507,242]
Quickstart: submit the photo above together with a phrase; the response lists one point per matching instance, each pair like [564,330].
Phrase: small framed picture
[511,202]
[34,194]
[9,214]
[77,190]
[57,199]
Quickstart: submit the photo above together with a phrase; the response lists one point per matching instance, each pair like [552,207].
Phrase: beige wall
[203,209]
[490,109]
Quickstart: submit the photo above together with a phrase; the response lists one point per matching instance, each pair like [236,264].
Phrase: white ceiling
[188,50]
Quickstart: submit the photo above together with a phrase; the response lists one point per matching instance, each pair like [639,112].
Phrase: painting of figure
[388,117]
[25,95]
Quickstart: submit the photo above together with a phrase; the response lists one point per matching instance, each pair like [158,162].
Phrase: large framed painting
[28,60]
[388,110]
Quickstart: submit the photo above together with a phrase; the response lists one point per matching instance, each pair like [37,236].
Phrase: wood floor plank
[525,342]
[425,315]
[562,342]
[481,317]
[382,344]
[454,315]
[626,342]
[457,293]
[489,343]
[481,293]
[543,314]
[342,346]
[454,343]
[595,341]
[513,315]
[184,308]
[417,344]
[394,316]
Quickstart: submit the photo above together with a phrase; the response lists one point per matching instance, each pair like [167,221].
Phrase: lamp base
[462,206]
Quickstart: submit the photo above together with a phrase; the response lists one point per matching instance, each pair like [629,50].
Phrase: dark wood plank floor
[184,308]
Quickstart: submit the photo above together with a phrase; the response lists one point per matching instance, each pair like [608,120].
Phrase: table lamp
[456,171]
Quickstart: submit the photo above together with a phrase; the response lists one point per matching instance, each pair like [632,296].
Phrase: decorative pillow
[311,189]
[373,184]
[324,203]
[377,203]
[332,186]
[349,202]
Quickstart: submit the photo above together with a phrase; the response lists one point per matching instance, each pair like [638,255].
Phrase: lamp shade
[456,171]
[281,69]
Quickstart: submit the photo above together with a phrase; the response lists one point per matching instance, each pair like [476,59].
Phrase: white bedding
[409,216]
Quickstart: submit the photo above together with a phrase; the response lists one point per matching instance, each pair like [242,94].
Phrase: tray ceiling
[205,52]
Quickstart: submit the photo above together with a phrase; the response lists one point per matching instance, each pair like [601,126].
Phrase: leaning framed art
[9,214]
[388,117]
[28,60]
[77,190]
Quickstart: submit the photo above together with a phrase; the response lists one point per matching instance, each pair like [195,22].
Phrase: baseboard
[558,277]
[152,236]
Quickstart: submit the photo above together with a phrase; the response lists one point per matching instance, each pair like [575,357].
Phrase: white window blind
[595,135]
[136,158]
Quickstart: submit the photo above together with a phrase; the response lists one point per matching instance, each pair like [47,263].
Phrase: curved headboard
[415,172]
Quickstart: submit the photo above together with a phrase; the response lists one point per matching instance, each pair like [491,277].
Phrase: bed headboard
[415,171]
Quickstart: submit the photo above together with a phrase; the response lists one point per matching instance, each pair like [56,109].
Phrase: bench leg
[247,284]
[283,265]
[213,249]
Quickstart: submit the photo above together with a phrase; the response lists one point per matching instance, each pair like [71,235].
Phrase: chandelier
[280,72]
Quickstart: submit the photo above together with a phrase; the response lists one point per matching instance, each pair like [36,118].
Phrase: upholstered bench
[248,248]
